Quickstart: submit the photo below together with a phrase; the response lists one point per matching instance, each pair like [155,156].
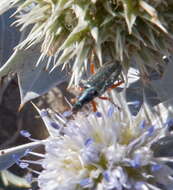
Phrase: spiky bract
[98,30]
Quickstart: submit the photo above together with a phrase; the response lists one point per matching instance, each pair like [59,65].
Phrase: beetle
[98,83]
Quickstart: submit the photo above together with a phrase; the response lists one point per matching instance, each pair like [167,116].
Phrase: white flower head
[107,150]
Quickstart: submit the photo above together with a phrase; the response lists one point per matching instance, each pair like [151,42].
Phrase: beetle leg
[109,99]
[91,60]
[117,84]
[92,69]
[104,98]
[94,105]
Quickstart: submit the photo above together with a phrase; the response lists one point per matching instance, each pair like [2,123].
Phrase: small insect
[97,84]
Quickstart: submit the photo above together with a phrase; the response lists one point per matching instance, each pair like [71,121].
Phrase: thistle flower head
[96,30]
[107,150]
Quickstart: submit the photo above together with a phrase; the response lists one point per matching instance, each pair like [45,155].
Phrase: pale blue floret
[43,113]
[110,111]
[116,179]
[86,183]
[169,123]
[54,125]
[151,130]
[23,165]
[106,176]
[142,124]
[67,113]
[17,160]
[156,167]
[88,142]
[98,114]
[136,162]
[25,133]
[90,152]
